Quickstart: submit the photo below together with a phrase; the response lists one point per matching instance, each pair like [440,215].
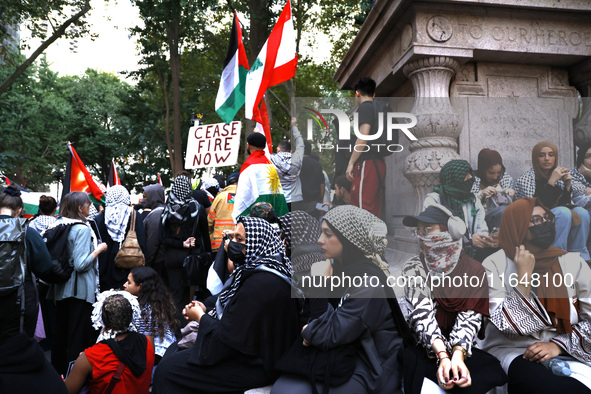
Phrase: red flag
[265,127]
[159,179]
[113,176]
[78,179]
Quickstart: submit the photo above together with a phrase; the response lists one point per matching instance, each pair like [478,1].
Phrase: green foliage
[41,18]
[32,116]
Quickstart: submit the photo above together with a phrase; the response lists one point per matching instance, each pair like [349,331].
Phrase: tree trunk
[175,62]
[167,119]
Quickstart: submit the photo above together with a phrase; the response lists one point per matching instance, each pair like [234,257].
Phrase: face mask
[466,185]
[235,253]
[543,235]
[441,251]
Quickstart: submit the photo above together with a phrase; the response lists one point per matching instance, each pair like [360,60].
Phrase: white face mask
[441,251]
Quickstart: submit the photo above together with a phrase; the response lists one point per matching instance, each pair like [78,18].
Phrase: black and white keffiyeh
[180,206]
[97,313]
[263,247]
[363,229]
[117,211]
[526,185]
[300,232]
[42,223]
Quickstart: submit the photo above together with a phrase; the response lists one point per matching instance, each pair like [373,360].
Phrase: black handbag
[197,263]
[332,368]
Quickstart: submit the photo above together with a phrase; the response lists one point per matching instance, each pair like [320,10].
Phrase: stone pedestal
[438,124]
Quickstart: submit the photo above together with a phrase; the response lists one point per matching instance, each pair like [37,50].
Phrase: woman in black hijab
[252,323]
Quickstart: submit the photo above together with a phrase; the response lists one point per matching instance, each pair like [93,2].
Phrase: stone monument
[502,74]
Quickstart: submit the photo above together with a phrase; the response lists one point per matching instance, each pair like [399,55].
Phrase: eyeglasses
[422,231]
[537,219]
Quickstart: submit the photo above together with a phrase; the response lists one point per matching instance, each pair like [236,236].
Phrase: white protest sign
[214,145]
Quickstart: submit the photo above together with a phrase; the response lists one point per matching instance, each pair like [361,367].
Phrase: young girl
[122,360]
[158,311]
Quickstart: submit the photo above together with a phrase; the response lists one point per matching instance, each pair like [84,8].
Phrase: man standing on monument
[366,170]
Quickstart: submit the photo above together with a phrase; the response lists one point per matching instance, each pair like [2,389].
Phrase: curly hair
[117,313]
[154,294]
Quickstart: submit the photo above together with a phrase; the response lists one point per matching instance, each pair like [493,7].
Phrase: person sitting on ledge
[446,315]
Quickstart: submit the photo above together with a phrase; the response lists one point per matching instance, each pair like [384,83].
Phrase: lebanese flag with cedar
[78,179]
[276,63]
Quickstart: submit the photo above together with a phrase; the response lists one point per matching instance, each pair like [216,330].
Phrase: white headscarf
[97,313]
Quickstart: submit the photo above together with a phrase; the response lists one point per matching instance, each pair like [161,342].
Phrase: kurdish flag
[276,63]
[78,179]
[230,96]
[258,182]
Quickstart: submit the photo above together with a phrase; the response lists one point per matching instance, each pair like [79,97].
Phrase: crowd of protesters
[162,325]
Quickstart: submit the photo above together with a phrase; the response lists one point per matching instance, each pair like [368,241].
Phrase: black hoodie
[24,368]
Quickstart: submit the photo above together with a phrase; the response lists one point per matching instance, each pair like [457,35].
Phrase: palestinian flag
[9,182]
[276,63]
[78,179]
[230,96]
[258,182]
[113,176]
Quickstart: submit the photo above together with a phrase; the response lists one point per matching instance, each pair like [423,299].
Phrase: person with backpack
[114,224]
[74,298]
[23,366]
[20,244]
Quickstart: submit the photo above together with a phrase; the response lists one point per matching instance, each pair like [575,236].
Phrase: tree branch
[283,106]
[58,33]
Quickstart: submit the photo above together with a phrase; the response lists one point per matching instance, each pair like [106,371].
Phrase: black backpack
[381,109]
[56,240]
[13,261]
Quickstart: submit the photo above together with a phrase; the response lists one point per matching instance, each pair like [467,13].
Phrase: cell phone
[322,207]
[494,231]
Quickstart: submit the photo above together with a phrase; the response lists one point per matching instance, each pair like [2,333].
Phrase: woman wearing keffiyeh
[181,224]
[113,224]
[254,321]
[553,185]
[358,315]
[454,192]
[533,320]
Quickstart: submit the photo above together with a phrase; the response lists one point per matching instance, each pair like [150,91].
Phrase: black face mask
[543,235]
[235,253]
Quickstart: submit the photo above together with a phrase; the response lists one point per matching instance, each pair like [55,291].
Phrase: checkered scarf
[180,205]
[526,185]
[363,229]
[117,211]
[300,232]
[453,190]
[263,247]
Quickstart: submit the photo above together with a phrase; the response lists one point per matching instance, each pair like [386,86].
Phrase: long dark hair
[155,294]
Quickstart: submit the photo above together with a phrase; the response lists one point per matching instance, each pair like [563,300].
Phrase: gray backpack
[13,261]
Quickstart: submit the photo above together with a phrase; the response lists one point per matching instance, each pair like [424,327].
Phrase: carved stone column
[438,127]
